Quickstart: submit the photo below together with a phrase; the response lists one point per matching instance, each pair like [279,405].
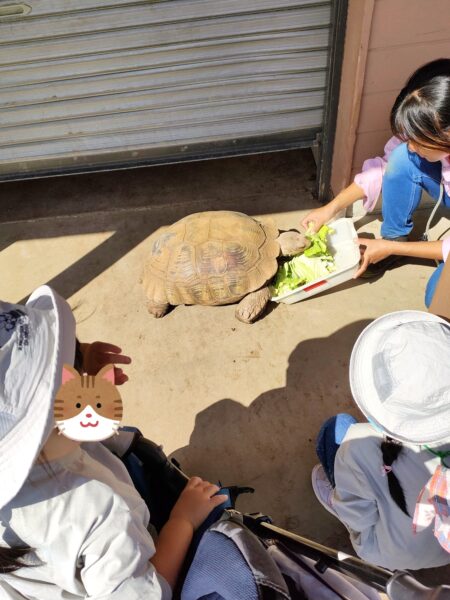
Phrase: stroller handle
[398,585]
[402,586]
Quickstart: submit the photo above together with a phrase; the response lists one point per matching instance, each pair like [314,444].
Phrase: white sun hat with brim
[35,341]
[400,376]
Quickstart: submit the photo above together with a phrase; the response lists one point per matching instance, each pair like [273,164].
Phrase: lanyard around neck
[441,455]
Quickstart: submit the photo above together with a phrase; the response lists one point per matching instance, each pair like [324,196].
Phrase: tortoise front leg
[157,300]
[157,310]
[253,305]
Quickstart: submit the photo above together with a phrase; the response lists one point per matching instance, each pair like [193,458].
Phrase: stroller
[237,556]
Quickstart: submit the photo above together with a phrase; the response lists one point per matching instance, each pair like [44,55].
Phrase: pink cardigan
[371,177]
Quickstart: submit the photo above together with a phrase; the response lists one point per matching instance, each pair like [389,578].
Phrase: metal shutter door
[111,83]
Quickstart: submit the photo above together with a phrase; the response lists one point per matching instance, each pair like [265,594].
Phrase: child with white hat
[388,480]
[73,525]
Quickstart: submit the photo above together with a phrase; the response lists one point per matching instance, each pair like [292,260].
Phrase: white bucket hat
[35,341]
[400,376]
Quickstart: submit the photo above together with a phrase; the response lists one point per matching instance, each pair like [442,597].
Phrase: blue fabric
[213,516]
[135,470]
[151,486]
[406,176]
[231,563]
[329,439]
[219,571]
[161,505]
[432,283]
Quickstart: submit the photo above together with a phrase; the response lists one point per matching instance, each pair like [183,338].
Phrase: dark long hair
[421,112]
[11,559]
[391,450]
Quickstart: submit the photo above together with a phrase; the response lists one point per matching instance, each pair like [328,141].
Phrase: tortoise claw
[252,305]
[158,310]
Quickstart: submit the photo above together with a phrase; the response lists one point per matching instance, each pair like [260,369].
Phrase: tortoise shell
[211,258]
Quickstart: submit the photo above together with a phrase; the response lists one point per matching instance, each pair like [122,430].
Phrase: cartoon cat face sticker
[88,408]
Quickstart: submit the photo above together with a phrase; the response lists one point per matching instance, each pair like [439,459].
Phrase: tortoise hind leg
[252,305]
[157,310]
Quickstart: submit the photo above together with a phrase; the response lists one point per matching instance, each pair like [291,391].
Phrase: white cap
[400,376]
[35,341]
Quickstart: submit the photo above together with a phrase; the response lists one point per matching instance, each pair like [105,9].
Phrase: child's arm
[193,506]
[376,250]
[326,213]
[171,549]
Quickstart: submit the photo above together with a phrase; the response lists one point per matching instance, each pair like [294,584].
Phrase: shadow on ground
[264,445]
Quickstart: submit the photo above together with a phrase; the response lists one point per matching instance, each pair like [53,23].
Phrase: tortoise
[216,257]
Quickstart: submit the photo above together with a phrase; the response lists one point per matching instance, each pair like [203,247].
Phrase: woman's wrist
[347,197]
[432,250]
[393,247]
[335,206]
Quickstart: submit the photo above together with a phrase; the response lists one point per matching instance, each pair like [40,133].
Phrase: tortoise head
[292,243]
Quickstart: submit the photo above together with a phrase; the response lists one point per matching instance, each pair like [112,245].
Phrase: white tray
[346,255]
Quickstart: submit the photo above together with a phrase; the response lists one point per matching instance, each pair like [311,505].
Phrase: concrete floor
[239,403]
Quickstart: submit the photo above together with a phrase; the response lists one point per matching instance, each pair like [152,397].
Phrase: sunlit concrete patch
[27,263]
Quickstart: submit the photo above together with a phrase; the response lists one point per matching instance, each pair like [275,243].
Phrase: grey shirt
[88,525]
[380,532]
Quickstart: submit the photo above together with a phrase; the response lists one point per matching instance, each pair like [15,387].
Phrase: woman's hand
[99,354]
[318,217]
[324,214]
[372,251]
[196,501]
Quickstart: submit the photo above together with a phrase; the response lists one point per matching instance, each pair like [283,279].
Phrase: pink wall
[388,40]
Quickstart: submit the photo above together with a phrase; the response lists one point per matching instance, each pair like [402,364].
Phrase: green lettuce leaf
[318,246]
[316,262]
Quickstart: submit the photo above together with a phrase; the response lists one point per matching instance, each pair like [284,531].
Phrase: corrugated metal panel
[88,84]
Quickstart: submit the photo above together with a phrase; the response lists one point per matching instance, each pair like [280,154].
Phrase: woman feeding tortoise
[416,159]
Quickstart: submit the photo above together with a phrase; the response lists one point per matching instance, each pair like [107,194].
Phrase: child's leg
[432,283]
[406,176]
[329,439]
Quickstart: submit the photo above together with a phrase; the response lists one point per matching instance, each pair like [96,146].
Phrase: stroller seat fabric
[230,563]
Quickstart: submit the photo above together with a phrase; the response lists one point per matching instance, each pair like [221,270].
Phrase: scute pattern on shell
[211,258]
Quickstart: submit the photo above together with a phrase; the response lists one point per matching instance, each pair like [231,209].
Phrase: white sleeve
[116,553]
[9,593]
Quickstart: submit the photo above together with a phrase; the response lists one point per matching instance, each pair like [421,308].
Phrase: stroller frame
[150,459]
[398,585]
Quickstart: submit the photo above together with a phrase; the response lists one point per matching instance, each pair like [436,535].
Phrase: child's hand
[196,501]
[99,354]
